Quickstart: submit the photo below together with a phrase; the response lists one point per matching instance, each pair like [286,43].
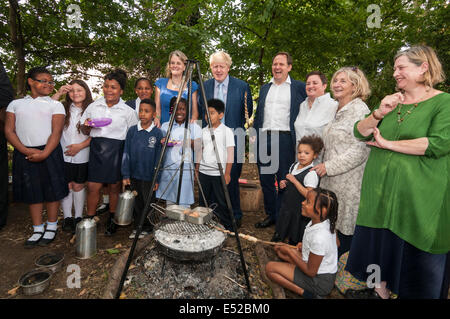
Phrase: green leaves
[139,35]
[112,251]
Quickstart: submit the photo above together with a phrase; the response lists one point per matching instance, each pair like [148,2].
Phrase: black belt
[269,132]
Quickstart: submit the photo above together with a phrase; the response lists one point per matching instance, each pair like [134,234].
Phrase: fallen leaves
[13,291]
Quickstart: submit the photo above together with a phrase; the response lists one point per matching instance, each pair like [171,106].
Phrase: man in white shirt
[278,107]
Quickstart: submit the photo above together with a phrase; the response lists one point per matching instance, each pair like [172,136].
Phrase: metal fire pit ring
[184,241]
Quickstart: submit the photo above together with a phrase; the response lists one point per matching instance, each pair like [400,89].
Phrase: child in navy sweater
[141,153]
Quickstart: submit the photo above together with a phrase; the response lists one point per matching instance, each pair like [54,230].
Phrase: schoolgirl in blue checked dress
[33,126]
[106,148]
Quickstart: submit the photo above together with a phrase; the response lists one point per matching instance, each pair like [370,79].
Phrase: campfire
[187,270]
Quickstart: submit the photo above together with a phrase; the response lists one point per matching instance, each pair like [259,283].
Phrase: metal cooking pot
[50,261]
[86,235]
[125,205]
[35,281]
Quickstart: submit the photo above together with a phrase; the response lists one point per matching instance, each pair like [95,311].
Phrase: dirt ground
[15,260]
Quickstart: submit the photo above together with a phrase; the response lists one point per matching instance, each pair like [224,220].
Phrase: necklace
[176,86]
[415,105]
[399,112]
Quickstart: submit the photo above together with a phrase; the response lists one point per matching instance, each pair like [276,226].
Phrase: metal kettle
[86,238]
[125,205]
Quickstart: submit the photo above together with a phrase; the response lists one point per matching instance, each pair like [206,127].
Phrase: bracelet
[375,117]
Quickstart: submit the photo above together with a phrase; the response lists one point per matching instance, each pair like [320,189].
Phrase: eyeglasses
[45,82]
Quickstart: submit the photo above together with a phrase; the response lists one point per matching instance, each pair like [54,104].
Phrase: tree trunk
[16,34]
[261,67]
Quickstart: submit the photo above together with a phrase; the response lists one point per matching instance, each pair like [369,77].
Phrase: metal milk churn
[86,238]
[125,205]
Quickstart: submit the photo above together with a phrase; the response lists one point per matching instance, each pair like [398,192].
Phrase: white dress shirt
[312,121]
[123,117]
[70,135]
[34,118]
[224,92]
[277,107]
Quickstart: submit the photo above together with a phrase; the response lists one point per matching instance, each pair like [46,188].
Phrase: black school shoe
[34,243]
[111,227]
[265,223]
[45,241]
[276,238]
[68,224]
[362,294]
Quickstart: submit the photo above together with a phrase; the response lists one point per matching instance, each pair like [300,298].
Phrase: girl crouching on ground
[310,270]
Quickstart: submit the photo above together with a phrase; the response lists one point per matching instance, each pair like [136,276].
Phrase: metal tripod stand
[187,78]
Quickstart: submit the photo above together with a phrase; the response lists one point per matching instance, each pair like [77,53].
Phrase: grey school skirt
[321,284]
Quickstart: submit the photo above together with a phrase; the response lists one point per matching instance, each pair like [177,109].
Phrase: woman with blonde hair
[404,215]
[168,87]
[344,155]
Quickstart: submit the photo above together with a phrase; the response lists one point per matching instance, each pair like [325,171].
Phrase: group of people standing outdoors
[336,177]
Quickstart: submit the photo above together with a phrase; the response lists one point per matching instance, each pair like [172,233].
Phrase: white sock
[38,228]
[78,202]
[66,204]
[50,226]
[105,199]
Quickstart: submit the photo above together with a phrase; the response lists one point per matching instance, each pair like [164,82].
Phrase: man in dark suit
[278,107]
[6,96]
[236,95]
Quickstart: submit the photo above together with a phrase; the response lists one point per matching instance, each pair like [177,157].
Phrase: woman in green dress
[403,224]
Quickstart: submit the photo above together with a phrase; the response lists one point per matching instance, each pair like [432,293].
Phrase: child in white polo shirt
[209,174]
[33,126]
[310,270]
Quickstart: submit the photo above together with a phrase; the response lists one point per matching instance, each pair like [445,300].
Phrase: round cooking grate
[179,227]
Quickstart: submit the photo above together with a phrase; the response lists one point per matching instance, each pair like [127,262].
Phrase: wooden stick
[253,239]
[234,281]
